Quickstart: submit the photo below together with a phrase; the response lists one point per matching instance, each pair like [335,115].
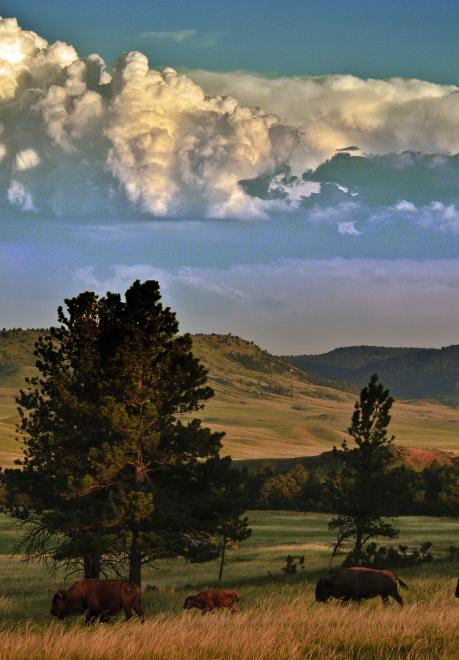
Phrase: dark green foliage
[438,491]
[292,563]
[110,471]
[365,489]
[381,556]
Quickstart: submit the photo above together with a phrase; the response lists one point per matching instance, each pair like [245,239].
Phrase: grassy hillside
[268,408]
[410,373]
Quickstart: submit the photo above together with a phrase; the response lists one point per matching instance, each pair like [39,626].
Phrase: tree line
[430,491]
[118,471]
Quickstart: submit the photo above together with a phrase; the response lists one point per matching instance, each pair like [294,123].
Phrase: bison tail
[401,583]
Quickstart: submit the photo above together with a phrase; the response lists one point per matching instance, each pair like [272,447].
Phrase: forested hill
[409,373]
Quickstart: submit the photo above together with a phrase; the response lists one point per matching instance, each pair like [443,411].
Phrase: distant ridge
[409,373]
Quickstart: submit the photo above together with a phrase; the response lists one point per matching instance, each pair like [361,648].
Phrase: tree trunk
[358,547]
[91,565]
[222,558]
[135,561]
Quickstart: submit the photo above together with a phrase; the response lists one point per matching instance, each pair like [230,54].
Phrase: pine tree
[112,469]
[365,489]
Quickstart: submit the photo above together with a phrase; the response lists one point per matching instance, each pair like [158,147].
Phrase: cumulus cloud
[334,111]
[26,160]
[77,139]
[167,147]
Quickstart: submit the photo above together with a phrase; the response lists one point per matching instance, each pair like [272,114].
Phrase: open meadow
[278,616]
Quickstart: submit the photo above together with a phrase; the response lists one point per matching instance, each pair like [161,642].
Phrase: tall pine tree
[365,489]
[112,468]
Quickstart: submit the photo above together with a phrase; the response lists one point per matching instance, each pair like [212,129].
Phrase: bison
[99,599]
[212,599]
[358,583]
[457,590]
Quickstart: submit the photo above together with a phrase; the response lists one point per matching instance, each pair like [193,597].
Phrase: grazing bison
[99,599]
[457,590]
[212,599]
[359,583]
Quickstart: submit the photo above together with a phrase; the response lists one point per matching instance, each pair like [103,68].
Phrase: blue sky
[409,38]
[302,212]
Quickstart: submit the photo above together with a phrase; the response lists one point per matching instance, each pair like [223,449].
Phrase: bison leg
[137,607]
[396,596]
[90,617]
[385,599]
[127,612]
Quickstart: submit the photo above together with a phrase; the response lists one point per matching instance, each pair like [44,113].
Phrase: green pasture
[255,569]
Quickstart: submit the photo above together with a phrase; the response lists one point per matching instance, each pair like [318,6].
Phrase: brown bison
[457,590]
[212,599]
[99,599]
[355,584]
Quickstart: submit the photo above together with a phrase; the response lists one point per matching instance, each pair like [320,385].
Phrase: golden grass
[275,412]
[279,618]
[289,631]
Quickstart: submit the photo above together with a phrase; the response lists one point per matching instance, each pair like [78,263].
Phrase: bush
[381,556]
[292,563]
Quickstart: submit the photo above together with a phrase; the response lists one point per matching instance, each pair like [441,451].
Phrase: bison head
[323,591]
[59,606]
[189,603]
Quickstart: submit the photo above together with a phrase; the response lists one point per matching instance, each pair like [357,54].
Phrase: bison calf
[99,599]
[358,583]
[212,599]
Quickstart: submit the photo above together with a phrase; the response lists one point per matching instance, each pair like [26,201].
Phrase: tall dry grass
[292,630]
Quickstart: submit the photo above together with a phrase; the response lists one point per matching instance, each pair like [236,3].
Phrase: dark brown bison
[355,584]
[457,590]
[99,599]
[212,599]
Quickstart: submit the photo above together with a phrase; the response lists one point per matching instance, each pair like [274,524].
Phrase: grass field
[278,617]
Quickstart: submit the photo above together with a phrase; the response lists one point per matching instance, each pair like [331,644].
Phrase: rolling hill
[267,407]
[409,373]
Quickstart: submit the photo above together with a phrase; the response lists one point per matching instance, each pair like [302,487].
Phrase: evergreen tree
[365,489]
[110,470]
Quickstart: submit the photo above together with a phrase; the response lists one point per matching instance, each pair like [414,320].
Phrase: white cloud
[294,191]
[160,143]
[19,196]
[403,205]
[172,35]
[334,111]
[26,160]
[348,229]
[172,149]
